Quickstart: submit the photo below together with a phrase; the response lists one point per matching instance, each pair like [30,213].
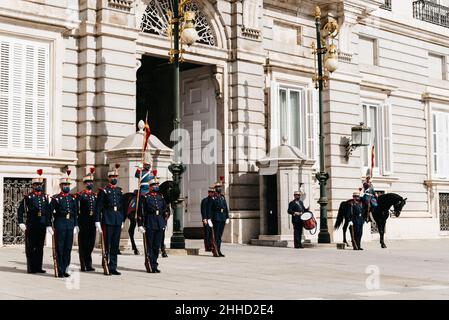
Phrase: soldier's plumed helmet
[66,180]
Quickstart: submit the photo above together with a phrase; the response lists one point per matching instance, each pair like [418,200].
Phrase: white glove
[209,222]
[227,221]
[141,229]
[350,223]
[50,230]
[76,230]
[122,225]
[22,226]
[98,227]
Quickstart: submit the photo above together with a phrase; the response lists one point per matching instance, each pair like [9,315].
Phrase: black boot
[136,252]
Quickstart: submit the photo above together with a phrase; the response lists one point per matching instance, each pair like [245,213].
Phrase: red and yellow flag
[372,161]
[147,134]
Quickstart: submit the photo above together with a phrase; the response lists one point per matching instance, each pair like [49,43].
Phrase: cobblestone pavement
[406,270]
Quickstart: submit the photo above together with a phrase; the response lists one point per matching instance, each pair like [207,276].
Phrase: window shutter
[24,96]
[42,117]
[5,51]
[313,121]
[274,115]
[387,140]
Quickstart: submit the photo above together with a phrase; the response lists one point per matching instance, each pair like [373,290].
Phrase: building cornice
[41,160]
[53,23]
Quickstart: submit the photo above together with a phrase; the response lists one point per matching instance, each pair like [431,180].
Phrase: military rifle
[53,247]
[104,258]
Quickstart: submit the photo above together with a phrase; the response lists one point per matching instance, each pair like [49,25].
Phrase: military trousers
[64,243]
[34,247]
[207,237]
[297,233]
[86,244]
[112,243]
[358,231]
[218,232]
[153,245]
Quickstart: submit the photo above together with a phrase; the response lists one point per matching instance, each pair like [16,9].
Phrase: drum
[309,221]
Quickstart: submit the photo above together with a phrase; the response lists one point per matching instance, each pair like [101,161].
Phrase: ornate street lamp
[329,52]
[360,137]
[181,27]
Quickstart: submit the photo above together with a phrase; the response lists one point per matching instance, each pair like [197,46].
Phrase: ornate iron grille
[431,12]
[386,5]
[155,20]
[13,191]
[444,211]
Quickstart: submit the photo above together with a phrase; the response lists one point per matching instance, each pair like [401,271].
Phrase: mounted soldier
[144,174]
[369,197]
[35,208]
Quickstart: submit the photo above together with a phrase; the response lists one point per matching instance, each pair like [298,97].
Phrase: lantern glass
[366,137]
[356,136]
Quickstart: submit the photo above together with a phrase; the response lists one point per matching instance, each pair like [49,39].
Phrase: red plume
[92,170]
[69,172]
[40,171]
[221,178]
[360,189]
[117,165]
[155,173]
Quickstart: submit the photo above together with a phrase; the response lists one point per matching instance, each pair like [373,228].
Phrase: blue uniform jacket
[87,204]
[357,213]
[206,206]
[65,211]
[110,206]
[219,209]
[36,207]
[152,211]
[144,180]
[293,207]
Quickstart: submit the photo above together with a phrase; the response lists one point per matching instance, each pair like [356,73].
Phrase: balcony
[431,12]
[386,5]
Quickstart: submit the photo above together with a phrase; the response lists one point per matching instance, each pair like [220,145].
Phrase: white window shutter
[24,96]
[310,124]
[387,140]
[42,108]
[17,105]
[274,115]
[315,123]
[5,63]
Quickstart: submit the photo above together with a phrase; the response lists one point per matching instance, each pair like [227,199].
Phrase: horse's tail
[340,216]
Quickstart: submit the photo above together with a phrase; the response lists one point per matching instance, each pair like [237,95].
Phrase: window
[367,51]
[378,118]
[436,67]
[440,152]
[24,96]
[288,117]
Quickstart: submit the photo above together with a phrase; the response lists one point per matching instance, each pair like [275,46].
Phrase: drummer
[296,209]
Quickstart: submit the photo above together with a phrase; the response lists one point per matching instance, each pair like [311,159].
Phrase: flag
[147,135]
[372,160]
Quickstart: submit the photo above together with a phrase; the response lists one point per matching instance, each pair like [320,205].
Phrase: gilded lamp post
[326,60]
[181,31]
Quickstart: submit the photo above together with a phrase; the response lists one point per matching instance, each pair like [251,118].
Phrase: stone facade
[259,46]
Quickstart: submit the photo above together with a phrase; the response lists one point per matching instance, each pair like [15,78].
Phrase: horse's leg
[132,228]
[381,229]
[345,228]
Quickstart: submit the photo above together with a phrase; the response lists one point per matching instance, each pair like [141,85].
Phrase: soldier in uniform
[296,209]
[111,213]
[151,221]
[87,201]
[357,219]
[219,216]
[144,173]
[65,222]
[206,205]
[369,195]
[36,207]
